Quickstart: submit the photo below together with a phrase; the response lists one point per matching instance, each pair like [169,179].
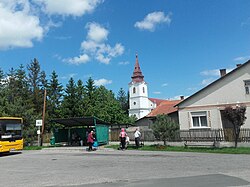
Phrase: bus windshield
[10,129]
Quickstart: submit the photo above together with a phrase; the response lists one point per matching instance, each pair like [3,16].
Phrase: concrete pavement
[75,166]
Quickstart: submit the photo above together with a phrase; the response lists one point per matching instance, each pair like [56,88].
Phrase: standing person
[90,140]
[123,136]
[137,135]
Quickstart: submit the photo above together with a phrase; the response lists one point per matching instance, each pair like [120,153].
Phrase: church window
[134,90]
[143,89]
[134,103]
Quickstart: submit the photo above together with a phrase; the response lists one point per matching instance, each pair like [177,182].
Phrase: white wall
[228,90]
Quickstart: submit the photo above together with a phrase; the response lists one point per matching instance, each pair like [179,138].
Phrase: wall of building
[228,91]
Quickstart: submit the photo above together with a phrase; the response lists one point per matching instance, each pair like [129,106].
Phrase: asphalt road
[75,167]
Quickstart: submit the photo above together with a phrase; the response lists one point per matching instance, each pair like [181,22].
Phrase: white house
[139,103]
[204,108]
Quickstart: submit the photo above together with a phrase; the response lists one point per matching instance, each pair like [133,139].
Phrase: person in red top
[123,136]
[90,140]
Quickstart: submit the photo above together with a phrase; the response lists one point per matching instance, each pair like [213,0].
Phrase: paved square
[106,167]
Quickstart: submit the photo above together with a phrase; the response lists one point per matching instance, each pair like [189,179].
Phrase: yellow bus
[11,134]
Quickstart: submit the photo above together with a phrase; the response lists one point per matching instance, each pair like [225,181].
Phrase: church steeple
[137,74]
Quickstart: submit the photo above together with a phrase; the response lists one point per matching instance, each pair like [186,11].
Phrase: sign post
[39,124]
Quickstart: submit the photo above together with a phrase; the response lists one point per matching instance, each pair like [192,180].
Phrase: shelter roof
[79,121]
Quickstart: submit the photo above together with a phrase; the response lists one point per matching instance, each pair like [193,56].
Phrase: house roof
[216,81]
[157,101]
[165,107]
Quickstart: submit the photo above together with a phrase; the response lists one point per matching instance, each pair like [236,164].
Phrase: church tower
[138,94]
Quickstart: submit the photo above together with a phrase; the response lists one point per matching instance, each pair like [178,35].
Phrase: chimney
[182,97]
[238,65]
[223,72]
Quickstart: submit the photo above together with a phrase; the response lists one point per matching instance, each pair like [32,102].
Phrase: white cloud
[19,28]
[158,93]
[95,45]
[96,32]
[124,63]
[164,85]
[22,22]
[82,59]
[242,58]
[152,20]
[212,75]
[206,82]
[178,97]
[246,22]
[102,82]
[68,7]
[71,75]
[214,72]
[63,37]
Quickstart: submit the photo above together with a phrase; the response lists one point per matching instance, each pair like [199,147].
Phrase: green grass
[32,148]
[39,147]
[228,150]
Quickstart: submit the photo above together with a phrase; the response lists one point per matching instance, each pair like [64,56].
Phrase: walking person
[137,135]
[90,140]
[123,136]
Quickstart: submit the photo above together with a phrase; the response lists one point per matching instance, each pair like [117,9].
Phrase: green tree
[80,95]
[108,108]
[35,82]
[164,128]
[54,95]
[122,97]
[70,100]
[237,117]
[90,99]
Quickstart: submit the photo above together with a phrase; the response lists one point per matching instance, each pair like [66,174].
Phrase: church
[140,105]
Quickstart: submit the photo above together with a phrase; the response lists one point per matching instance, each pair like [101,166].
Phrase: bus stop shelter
[76,129]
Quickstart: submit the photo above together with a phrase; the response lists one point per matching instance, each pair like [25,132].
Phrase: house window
[247,86]
[134,90]
[199,119]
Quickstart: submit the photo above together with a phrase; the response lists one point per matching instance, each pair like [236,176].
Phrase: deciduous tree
[237,117]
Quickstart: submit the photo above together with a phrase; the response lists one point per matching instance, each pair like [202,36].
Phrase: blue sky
[181,44]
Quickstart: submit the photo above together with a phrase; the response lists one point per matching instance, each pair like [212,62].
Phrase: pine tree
[34,80]
[123,100]
[70,100]
[55,94]
[80,95]
[89,100]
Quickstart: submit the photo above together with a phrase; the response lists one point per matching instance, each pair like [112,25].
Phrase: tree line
[22,92]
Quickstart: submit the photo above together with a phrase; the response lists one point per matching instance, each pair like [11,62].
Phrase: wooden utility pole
[43,118]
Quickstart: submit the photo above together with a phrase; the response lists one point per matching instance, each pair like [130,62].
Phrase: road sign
[38,132]
[39,123]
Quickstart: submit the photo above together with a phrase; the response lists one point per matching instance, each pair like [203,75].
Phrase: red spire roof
[137,74]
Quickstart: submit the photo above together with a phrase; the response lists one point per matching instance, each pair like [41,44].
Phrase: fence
[218,135]
[201,135]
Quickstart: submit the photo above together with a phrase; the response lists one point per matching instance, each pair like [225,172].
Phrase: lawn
[228,150]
